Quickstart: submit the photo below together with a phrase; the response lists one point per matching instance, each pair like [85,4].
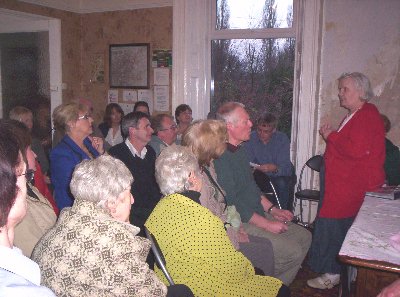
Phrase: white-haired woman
[93,250]
[353,159]
[197,249]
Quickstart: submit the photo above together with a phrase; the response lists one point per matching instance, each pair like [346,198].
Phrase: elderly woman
[111,127]
[76,122]
[93,246]
[40,215]
[19,276]
[207,141]
[197,249]
[353,159]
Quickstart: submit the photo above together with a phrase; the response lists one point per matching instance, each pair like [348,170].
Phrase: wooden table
[367,246]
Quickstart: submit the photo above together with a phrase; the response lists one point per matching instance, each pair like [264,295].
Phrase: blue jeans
[282,184]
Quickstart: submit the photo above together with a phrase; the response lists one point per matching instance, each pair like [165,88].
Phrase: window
[253,57]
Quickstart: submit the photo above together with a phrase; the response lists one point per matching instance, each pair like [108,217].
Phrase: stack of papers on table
[388,192]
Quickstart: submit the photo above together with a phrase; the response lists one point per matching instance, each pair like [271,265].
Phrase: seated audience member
[165,132]
[93,250]
[25,116]
[19,276]
[142,106]
[40,215]
[196,247]
[207,141]
[261,218]
[392,160]
[111,127]
[183,117]
[140,159]
[75,123]
[269,148]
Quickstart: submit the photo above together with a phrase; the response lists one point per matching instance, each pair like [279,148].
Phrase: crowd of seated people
[190,184]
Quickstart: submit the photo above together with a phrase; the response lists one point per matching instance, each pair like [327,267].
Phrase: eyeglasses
[173,127]
[84,117]
[29,174]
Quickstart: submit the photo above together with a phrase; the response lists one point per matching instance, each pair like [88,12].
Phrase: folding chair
[158,255]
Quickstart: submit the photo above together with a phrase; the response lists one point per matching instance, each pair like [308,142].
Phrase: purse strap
[211,179]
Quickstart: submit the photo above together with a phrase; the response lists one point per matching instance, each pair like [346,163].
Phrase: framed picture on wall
[130,65]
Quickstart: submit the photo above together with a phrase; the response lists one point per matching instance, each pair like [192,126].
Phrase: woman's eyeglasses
[84,117]
[29,174]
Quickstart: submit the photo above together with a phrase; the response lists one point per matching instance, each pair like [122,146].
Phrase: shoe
[325,281]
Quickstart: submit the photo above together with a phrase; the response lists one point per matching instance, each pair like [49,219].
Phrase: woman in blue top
[75,122]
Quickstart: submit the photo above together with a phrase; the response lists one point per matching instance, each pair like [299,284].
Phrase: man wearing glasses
[165,132]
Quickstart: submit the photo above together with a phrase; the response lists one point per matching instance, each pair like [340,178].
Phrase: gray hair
[226,111]
[361,82]
[157,122]
[131,120]
[173,167]
[91,180]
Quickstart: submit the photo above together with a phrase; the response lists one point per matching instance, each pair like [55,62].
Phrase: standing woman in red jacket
[353,161]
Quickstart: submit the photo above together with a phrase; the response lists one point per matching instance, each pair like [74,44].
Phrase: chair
[266,186]
[301,194]
[158,255]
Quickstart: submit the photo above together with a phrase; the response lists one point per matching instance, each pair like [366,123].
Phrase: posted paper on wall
[146,96]
[161,76]
[161,98]
[112,96]
[129,96]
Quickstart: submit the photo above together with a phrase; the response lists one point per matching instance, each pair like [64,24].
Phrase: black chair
[301,194]
[266,186]
[160,260]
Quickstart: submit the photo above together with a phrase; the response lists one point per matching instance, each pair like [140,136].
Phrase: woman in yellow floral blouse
[194,242]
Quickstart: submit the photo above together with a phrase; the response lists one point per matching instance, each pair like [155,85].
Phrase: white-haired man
[261,218]
[165,132]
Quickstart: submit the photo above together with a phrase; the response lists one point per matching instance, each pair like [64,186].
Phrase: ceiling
[89,6]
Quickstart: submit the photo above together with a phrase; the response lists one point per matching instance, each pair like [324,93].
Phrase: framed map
[130,65]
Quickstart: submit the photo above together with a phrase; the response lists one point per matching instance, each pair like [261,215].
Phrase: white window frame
[193,31]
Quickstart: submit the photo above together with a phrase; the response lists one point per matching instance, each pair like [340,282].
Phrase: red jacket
[41,185]
[354,159]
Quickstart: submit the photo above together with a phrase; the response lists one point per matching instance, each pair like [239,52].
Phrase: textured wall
[70,42]
[361,36]
[99,30]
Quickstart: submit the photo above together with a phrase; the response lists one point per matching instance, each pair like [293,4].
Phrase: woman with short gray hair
[196,247]
[92,244]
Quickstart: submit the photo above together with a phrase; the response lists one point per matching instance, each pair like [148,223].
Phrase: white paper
[161,76]
[161,98]
[112,96]
[129,95]
[146,96]
[127,107]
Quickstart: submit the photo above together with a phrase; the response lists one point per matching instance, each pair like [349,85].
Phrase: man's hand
[267,168]
[282,215]
[392,290]
[276,227]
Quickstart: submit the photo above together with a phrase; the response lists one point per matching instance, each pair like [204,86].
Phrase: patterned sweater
[88,253]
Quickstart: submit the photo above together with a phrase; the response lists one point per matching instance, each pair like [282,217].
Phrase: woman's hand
[243,236]
[282,215]
[97,143]
[325,130]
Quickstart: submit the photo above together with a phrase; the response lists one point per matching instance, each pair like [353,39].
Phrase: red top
[41,185]
[354,159]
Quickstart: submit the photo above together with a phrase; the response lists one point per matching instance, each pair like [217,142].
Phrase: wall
[361,36]
[99,30]
[70,40]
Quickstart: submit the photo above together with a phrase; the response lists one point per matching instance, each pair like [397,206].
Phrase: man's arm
[271,226]
[282,215]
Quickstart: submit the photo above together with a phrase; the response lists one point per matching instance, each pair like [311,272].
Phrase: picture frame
[129,65]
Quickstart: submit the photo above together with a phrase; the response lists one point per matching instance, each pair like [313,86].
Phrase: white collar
[14,261]
[134,152]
